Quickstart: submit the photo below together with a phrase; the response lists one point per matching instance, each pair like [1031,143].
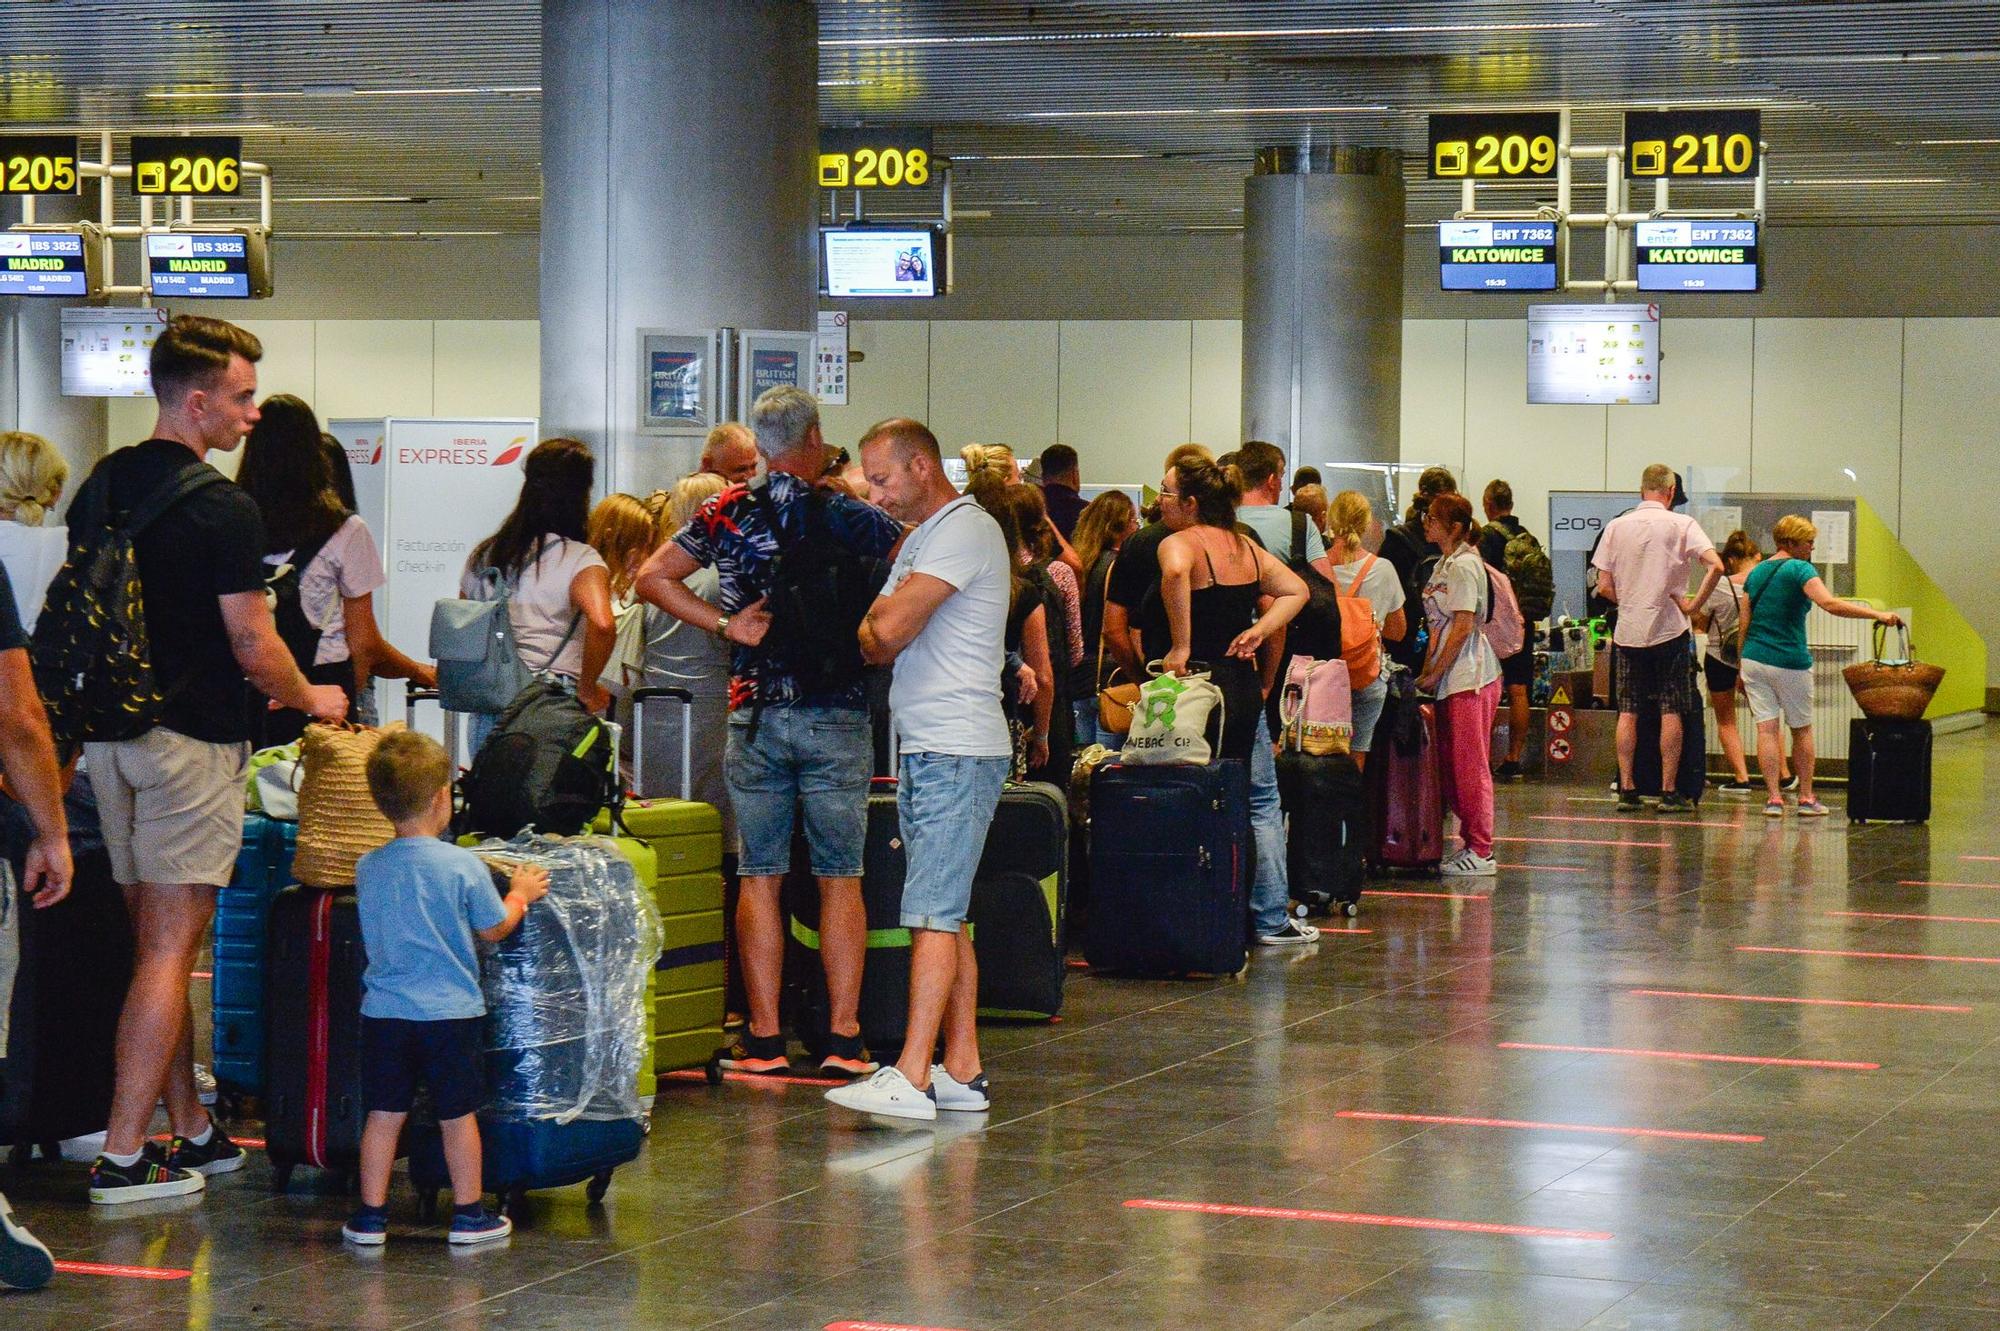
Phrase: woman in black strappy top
[1213,581]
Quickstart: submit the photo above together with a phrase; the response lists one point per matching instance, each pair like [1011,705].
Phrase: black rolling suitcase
[69,990]
[885,981]
[1692,779]
[1326,811]
[1888,771]
[1019,897]
[312,1061]
[1169,869]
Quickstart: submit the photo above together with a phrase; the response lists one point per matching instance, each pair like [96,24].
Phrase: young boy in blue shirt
[423,1017]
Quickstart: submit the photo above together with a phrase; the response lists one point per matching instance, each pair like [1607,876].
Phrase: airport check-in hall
[1441,781]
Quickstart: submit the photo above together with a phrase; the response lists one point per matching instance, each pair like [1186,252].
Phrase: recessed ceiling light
[996,39]
[1047,157]
[1376,29]
[1954,143]
[254,94]
[1208,111]
[1873,180]
[351,198]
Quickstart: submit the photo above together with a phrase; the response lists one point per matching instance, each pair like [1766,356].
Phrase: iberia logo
[512,453]
[378,454]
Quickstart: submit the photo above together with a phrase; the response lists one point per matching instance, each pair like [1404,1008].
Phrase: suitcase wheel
[427,1204]
[515,1204]
[713,1070]
[1351,909]
[597,1187]
[281,1172]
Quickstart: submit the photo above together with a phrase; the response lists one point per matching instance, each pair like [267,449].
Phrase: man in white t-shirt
[942,619]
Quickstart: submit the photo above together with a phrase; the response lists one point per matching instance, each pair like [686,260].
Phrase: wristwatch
[722,627]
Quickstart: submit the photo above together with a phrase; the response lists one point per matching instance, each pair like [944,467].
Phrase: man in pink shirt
[1642,566]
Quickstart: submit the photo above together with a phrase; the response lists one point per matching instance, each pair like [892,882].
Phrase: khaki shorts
[171,807]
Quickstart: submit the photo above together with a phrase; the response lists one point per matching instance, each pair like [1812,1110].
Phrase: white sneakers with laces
[1466,864]
[888,1093]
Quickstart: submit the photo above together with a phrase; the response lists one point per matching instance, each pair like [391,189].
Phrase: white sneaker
[24,1262]
[1288,934]
[888,1093]
[950,1093]
[1465,864]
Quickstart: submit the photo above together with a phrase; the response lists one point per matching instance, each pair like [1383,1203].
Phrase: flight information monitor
[1603,354]
[200,266]
[1689,255]
[1497,256]
[880,261]
[45,263]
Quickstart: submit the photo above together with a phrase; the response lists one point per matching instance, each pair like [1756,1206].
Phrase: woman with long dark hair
[559,587]
[333,557]
[1101,530]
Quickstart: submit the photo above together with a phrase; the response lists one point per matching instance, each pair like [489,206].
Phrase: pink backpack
[1316,706]
[1506,631]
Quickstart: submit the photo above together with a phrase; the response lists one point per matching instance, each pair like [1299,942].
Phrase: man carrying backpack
[1508,546]
[799,568]
[166,728]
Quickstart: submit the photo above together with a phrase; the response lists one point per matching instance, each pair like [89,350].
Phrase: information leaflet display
[109,352]
[1601,354]
[874,261]
[1497,256]
[199,266]
[45,263]
[1690,255]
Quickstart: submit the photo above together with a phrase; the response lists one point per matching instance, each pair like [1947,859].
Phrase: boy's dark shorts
[447,1056]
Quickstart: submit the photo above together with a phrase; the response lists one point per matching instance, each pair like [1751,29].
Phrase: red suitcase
[1408,786]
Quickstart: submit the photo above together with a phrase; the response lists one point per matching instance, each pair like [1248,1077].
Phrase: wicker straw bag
[1893,688]
[338,820]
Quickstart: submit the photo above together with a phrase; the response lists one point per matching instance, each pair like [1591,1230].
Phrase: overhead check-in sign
[1494,146]
[38,164]
[874,158]
[1692,145]
[187,164]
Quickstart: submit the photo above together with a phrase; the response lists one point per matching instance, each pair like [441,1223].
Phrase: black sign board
[1692,145]
[38,164]
[187,164]
[874,158]
[1511,145]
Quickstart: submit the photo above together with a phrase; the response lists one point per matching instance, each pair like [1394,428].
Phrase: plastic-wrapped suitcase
[1169,869]
[312,1069]
[885,980]
[1326,828]
[68,992]
[1888,771]
[1406,788]
[242,919]
[1019,897]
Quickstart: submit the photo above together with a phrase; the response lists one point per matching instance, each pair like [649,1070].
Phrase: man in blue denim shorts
[942,619]
[788,748]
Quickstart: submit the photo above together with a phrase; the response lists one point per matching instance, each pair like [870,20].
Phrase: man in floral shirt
[788,748]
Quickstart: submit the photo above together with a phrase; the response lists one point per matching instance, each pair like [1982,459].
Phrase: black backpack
[820,592]
[1315,631]
[285,589]
[549,764]
[92,652]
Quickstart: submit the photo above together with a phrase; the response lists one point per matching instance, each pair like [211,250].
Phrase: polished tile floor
[1402,1127]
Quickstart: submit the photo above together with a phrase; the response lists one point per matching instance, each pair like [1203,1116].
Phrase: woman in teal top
[1777,663]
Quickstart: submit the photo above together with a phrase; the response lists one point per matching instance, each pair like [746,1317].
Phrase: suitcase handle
[685,697]
[411,697]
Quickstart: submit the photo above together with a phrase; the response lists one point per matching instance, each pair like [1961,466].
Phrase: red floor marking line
[1441,896]
[1879,956]
[1808,1002]
[201,975]
[1696,1058]
[1363,1218]
[759,1078]
[1453,1120]
[1891,915]
[880,1326]
[247,1143]
[1670,820]
[1543,868]
[1983,859]
[124,1272]
[1583,841]
[1932,882]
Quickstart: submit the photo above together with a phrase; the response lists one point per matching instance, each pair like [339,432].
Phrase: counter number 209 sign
[874,158]
[1494,146]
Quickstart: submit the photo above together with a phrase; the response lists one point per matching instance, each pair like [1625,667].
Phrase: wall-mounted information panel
[874,158]
[1497,255]
[228,265]
[1495,146]
[1692,145]
[190,164]
[50,263]
[1603,354]
[38,164]
[1694,255]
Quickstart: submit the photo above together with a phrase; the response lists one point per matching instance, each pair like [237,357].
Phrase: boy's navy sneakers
[218,1155]
[368,1228]
[480,1226]
[147,1178]
[24,1262]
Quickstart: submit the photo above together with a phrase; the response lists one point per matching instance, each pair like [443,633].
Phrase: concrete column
[1323,303]
[678,191]
[31,367]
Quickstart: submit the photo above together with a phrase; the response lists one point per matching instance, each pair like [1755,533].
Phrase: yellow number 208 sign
[874,159]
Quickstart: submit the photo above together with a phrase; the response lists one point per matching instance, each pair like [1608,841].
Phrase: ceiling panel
[422,117]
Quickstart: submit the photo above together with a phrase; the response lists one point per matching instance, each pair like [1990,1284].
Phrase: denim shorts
[944,806]
[817,759]
[1367,711]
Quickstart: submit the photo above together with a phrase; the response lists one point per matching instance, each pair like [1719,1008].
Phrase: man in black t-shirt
[28,758]
[171,799]
[1135,618]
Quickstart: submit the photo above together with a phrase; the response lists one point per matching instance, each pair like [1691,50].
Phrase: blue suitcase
[1169,869]
[242,914]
